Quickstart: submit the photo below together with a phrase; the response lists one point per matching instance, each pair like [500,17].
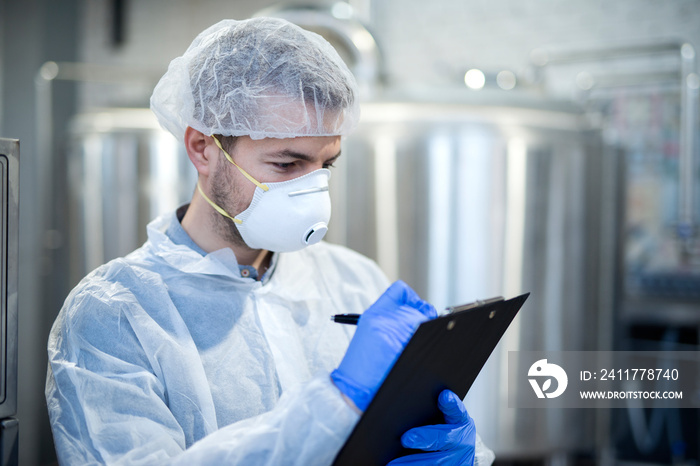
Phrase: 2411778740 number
[639,374]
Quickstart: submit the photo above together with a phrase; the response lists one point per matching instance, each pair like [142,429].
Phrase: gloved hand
[382,333]
[451,443]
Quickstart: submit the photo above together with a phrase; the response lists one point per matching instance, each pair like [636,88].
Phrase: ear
[199,150]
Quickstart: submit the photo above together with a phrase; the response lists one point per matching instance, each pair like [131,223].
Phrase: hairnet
[262,77]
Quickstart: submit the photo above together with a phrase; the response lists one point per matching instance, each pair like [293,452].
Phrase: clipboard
[429,364]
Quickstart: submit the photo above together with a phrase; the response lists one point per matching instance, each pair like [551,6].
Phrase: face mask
[284,216]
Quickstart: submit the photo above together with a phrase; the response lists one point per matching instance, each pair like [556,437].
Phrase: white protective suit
[169,356]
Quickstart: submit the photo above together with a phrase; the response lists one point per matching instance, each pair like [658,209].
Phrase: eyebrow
[333,159]
[287,153]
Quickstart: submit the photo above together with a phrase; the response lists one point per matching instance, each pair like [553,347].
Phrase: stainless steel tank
[462,200]
[470,200]
[124,170]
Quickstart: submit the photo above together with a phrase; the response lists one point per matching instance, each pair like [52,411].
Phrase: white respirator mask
[284,216]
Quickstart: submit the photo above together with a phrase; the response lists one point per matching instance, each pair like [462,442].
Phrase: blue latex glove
[451,443]
[382,333]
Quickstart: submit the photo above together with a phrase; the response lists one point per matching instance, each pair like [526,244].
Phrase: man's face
[267,160]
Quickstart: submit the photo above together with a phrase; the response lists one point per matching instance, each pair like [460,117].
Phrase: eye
[284,166]
[328,165]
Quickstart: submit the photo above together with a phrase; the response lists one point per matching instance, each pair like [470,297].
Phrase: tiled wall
[431,42]
[424,43]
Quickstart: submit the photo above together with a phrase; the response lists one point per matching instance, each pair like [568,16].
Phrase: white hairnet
[262,77]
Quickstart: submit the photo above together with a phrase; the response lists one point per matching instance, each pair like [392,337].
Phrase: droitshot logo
[540,376]
[604,379]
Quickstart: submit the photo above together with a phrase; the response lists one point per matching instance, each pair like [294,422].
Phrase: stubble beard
[224,188]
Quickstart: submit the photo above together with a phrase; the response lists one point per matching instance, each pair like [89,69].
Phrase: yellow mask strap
[262,186]
[216,207]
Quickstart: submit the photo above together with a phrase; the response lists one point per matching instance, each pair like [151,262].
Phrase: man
[212,343]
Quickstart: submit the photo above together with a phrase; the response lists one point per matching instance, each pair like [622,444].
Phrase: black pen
[350,319]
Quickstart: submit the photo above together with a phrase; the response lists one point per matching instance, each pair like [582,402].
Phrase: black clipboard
[428,365]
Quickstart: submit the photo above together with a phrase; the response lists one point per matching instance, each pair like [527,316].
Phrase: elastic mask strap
[216,207]
[262,186]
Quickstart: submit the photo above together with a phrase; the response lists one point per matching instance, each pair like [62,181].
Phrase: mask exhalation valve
[315,234]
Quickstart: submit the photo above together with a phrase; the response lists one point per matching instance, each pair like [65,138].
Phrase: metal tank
[463,200]
[466,200]
[467,195]
[123,171]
